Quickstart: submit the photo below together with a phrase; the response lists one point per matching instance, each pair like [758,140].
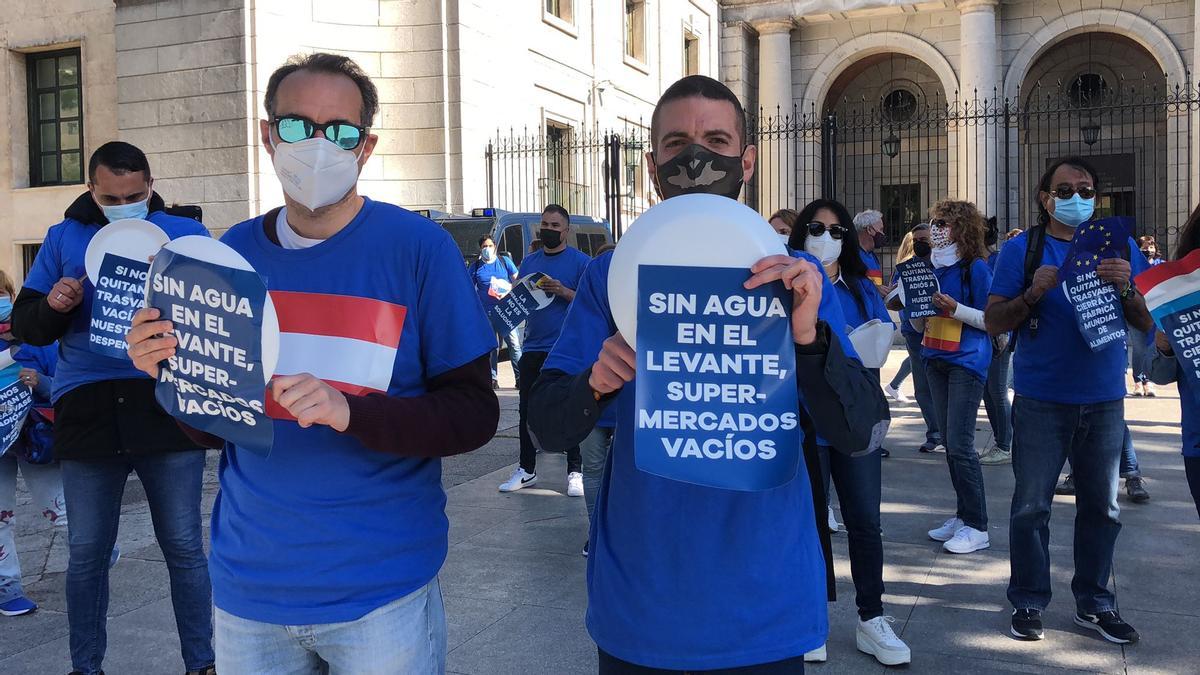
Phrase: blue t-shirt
[688,577]
[61,256]
[1190,410]
[565,267]
[874,268]
[482,274]
[948,339]
[324,529]
[1057,365]
[872,304]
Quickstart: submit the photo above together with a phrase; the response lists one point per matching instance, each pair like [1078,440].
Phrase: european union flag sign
[1097,305]
[215,381]
[120,292]
[716,388]
[15,402]
[918,284]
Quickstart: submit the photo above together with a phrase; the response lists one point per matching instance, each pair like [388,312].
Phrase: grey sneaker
[1066,487]
[994,456]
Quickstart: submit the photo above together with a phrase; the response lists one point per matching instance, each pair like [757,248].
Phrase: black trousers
[529,368]
[611,665]
[1192,467]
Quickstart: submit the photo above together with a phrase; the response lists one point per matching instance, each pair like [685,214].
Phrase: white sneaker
[875,637]
[994,456]
[948,529]
[967,540]
[574,484]
[895,394]
[834,525]
[818,655]
[519,479]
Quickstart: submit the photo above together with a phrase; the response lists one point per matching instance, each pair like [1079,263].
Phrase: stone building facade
[1000,89]
[184,80]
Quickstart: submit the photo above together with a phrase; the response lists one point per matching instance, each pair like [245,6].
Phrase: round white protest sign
[697,230]
[132,238]
[212,251]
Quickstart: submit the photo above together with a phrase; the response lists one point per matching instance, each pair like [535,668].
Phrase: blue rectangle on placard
[120,291]
[717,403]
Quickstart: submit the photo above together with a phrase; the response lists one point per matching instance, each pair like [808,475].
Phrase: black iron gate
[899,156]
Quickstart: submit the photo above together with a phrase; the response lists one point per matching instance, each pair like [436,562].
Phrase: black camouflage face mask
[699,170]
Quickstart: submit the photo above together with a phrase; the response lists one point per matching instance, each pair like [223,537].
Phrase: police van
[514,233]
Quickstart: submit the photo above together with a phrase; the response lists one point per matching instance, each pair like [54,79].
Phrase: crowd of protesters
[343,575]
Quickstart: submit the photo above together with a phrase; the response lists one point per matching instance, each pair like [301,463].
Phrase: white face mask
[785,238]
[824,248]
[315,172]
[487,253]
[945,256]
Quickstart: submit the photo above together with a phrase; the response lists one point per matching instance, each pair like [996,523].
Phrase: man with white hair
[869,225]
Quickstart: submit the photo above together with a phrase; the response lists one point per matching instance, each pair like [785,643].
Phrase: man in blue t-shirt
[325,552]
[1069,403]
[563,267]
[494,276]
[871,236]
[680,576]
[107,422]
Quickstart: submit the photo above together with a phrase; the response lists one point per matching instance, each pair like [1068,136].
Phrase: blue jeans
[956,393]
[859,489]
[404,636]
[901,373]
[1045,434]
[933,432]
[995,399]
[593,452]
[93,491]
[1129,462]
[1137,355]
[513,342]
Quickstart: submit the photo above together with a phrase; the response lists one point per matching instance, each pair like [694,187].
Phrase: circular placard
[131,238]
[696,230]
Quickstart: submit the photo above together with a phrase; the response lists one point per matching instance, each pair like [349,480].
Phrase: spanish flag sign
[1172,292]
[943,333]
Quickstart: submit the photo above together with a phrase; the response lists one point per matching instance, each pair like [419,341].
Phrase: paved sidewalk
[514,580]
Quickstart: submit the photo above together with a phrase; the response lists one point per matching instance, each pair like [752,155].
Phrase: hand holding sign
[616,366]
[66,295]
[1091,272]
[1115,271]
[804,280]
[311,401]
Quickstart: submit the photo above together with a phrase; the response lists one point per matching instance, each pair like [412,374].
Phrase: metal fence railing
[899,156]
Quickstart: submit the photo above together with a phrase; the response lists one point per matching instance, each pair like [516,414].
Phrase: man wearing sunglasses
[325,553]
[673,566]
[1069,403]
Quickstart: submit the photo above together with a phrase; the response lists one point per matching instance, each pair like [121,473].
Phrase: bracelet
[1025,299]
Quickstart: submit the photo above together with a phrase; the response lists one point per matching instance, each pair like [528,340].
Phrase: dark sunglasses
[1065,192]
[939,223]
[293,129]
[817,229]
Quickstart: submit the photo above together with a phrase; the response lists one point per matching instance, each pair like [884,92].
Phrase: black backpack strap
[1035,248]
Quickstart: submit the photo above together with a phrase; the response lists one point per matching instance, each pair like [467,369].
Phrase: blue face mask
[1075,211]
[5,308]
[122,211]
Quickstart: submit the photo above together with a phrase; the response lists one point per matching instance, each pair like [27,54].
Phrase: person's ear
[368,149]
[653,169]
[749,157]
[264,131]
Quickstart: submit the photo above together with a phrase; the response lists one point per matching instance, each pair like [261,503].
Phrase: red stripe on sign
[278,412]
[876,276]
[940,344]
[344,316]
[1160,273]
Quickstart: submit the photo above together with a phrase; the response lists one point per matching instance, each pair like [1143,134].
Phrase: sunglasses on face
[293,129]
[817,229]
[1065,191]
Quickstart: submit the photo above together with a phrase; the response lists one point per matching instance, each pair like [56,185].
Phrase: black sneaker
[927,447]
[884,452]
[585,548]
[1066,487]
[1136,490]
[495,383]
[1110,625]
[1027,624]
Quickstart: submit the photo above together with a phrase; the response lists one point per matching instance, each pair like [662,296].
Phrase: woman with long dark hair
[957,352]
[824,230]
[1164,368]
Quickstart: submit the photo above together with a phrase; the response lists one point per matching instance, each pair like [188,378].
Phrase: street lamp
[632,153]
[891,145]
[1091,133]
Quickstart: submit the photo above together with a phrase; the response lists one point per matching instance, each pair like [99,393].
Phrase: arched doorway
[885,144]
[1102,96]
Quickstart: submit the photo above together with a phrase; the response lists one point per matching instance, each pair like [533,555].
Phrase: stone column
[1195,77]
[979,78]
[776,144]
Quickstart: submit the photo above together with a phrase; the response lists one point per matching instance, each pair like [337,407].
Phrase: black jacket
[100,420]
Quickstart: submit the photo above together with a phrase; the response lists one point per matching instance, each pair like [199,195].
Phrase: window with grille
[28,255]
[55,118]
